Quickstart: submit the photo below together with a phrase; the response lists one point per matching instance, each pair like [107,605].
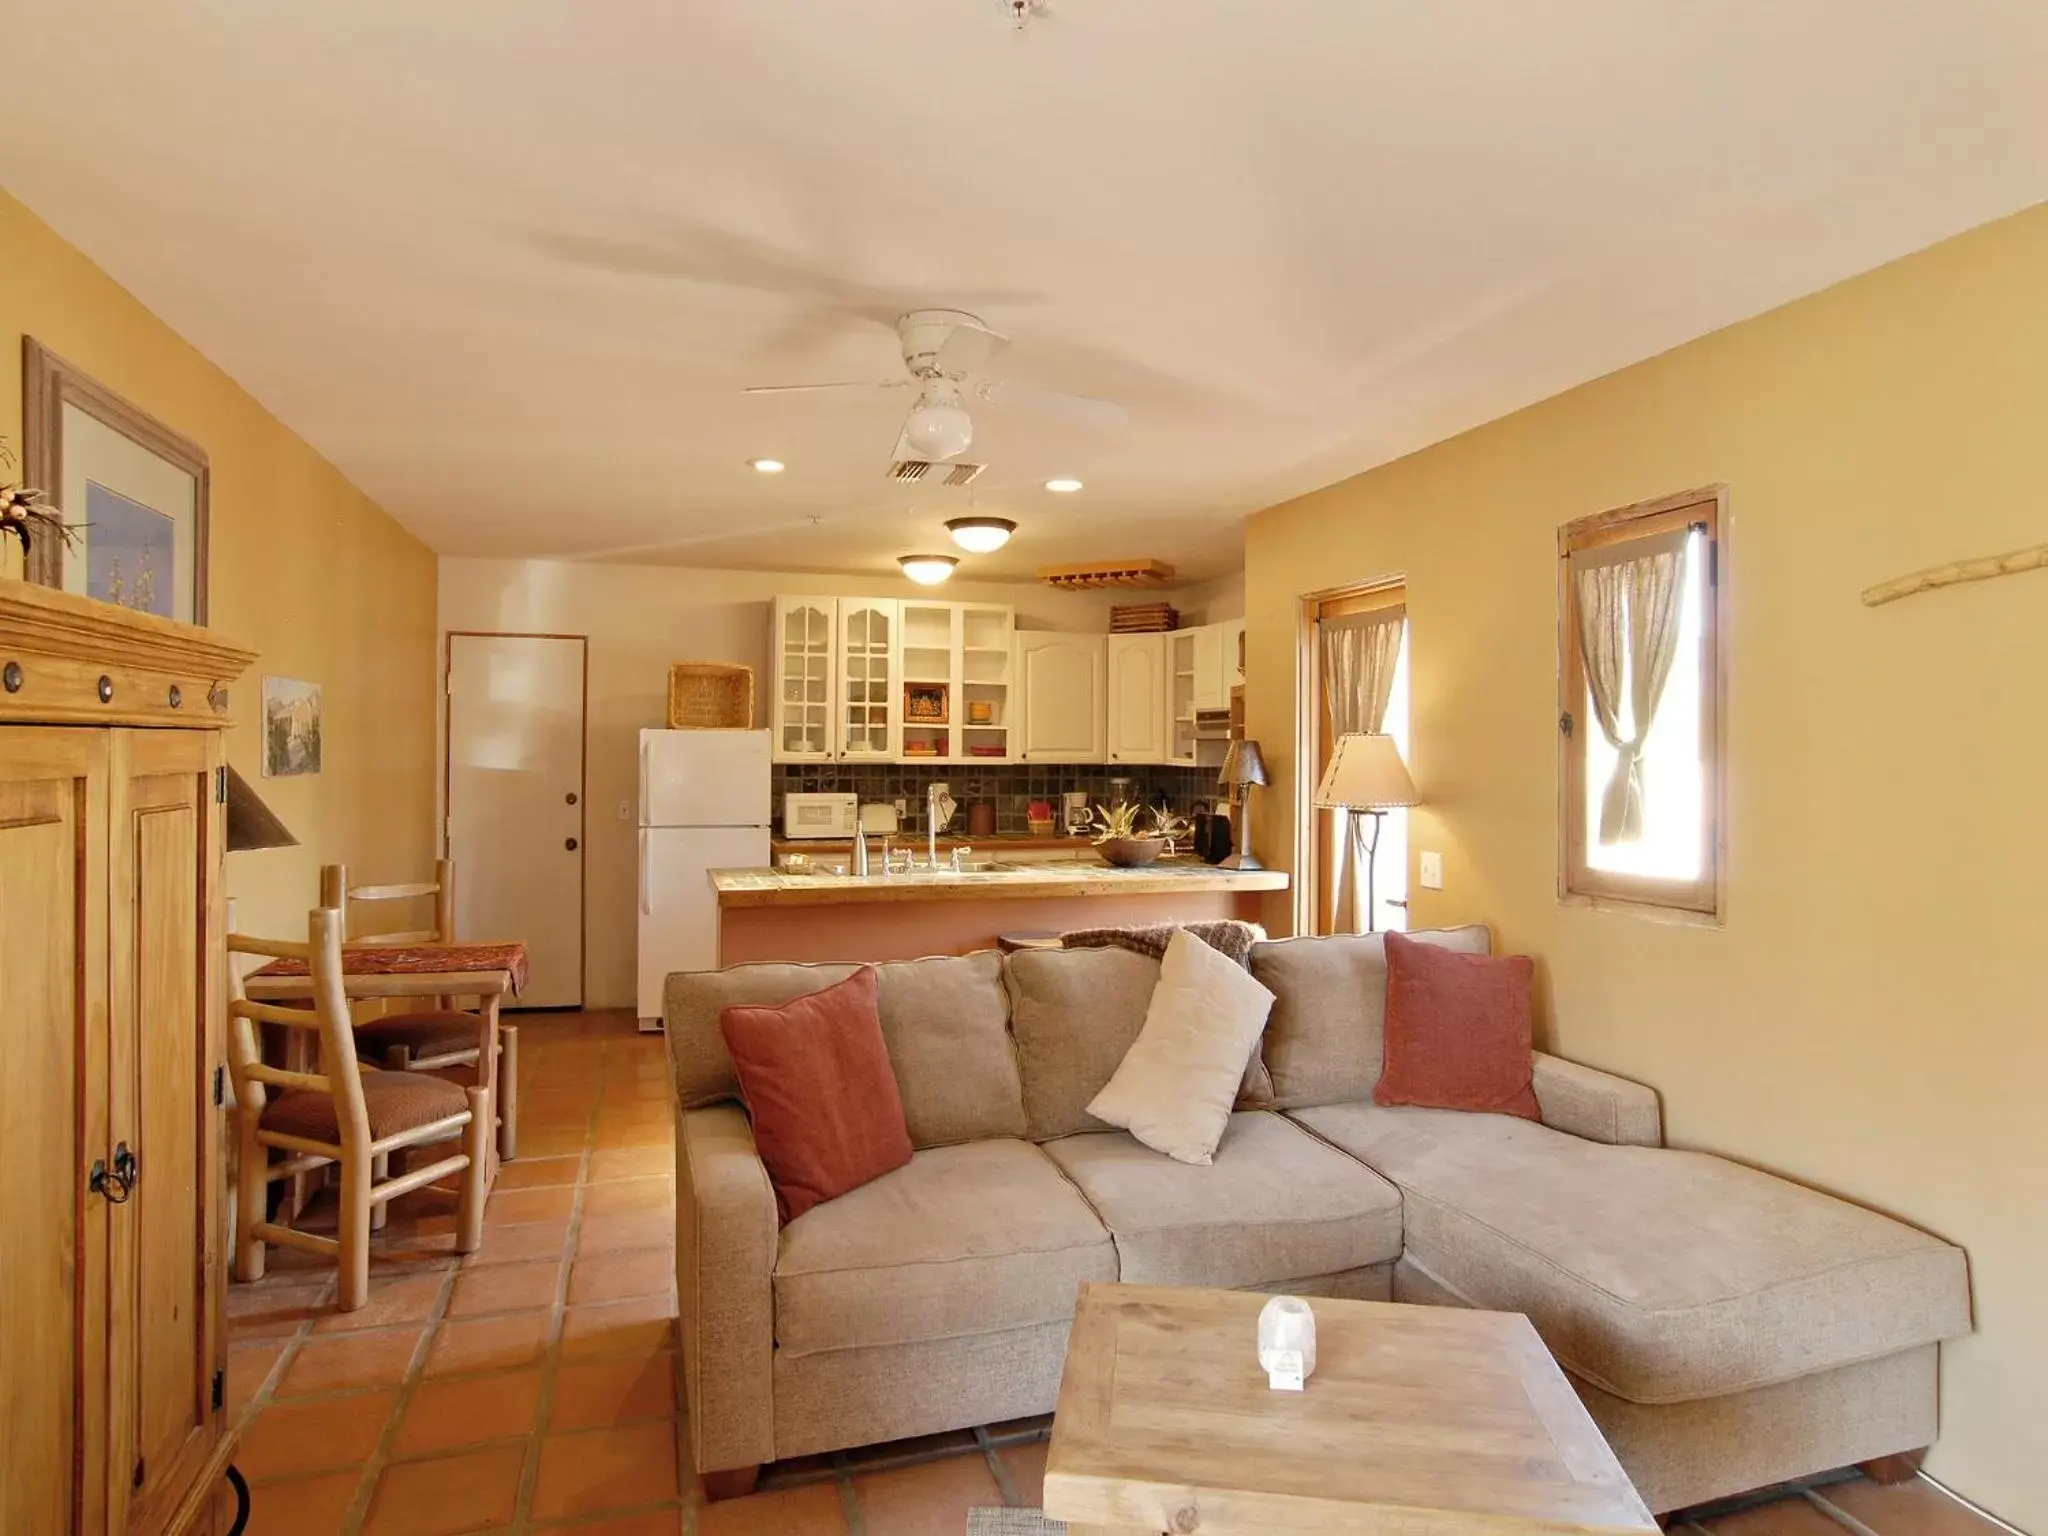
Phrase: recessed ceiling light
[1064,485]
[767,466]
[927,570]
[981,535]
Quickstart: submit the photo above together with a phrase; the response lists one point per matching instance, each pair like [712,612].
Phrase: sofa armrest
[1597,1106]
[726,1241]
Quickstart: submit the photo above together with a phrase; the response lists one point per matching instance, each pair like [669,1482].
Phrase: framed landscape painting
[133,491]
[291,727]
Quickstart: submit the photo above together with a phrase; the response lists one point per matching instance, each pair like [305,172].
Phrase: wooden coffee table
[1421,1421]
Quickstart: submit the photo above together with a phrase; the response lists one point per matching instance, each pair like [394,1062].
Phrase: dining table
[431,975]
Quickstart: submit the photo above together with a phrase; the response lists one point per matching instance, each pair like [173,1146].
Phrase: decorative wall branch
[2032,559]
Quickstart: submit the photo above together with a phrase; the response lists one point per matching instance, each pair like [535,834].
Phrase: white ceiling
[509,264]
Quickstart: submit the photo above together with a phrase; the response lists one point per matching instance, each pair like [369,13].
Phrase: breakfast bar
[771,914]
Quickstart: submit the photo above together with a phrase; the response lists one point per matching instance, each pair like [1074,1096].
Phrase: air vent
[934,472]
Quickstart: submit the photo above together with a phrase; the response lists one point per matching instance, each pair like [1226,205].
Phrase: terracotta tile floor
[530,1387]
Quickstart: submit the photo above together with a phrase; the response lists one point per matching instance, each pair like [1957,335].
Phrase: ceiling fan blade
[799,389]
[969,349]
[1050,402]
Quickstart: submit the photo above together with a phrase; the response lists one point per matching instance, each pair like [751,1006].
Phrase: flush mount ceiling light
[927,570]
[981,535]
[1063,485]
[766,466]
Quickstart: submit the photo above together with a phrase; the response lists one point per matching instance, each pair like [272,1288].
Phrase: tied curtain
[1359,653]
[1629,599]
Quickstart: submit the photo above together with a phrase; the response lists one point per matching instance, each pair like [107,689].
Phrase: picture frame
[135,492]
[291,727]
[925,703]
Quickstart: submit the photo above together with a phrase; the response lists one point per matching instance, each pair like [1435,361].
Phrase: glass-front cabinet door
[869,720]
[805,651]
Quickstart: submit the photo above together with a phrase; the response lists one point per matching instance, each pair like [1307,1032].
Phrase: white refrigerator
[706,801]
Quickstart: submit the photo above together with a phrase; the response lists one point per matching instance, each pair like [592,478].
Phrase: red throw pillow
[815,1077]
[1458,1030]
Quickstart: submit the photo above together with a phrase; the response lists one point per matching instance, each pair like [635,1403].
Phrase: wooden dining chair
[429,1039]
[344,1115]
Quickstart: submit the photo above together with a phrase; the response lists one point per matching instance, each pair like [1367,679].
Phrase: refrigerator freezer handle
[643,781]
[646,902]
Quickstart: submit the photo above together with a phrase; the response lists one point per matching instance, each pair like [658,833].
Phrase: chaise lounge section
[1726,1328]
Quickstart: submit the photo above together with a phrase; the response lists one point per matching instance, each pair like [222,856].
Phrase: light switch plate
[1432,871]
[625,810]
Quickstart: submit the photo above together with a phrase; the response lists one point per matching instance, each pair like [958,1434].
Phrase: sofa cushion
[815,1076]
[1657,1276]
[1075,1013]
[1174,1088]
[1326,1041]
[1275,1205]
[945,1021]
[1458,1030]
[964,1240]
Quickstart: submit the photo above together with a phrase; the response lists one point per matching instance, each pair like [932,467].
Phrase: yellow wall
[304,567]
[1873,1018]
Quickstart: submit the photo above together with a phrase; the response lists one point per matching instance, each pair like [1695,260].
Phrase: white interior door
[515,802]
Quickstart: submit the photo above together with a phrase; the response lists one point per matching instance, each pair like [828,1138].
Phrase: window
[1641,610]
[1337,889]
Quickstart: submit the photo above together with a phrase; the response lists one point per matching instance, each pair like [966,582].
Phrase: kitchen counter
[771,914]
[1072,878]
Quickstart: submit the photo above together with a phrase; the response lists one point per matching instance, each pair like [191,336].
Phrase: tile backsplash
[1011,786]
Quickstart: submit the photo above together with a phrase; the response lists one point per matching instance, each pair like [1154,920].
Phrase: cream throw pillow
[1175,1086]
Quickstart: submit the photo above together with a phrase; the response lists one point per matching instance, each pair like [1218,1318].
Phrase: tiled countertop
[776,888]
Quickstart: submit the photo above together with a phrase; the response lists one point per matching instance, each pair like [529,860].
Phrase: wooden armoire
[113,1242]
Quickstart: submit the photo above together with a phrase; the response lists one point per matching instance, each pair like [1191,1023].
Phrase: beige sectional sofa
[1726,1328]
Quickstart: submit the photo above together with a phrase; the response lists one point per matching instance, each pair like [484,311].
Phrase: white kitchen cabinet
[1233,655]
[1137,697]
[1060,678]
[1180,698]
[806,679]
[1212,683]
[870,724]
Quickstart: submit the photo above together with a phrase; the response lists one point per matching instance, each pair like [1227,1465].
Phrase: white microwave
[820,815]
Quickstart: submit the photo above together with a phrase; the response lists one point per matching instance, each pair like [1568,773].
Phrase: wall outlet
[902,806]
[1432,871]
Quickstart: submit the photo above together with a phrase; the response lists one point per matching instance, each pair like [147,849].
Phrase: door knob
[570,844]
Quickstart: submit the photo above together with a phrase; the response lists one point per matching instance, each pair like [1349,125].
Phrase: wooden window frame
[1314,898]
[1577,882]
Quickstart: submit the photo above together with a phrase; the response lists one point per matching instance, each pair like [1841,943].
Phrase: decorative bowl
[1131,852]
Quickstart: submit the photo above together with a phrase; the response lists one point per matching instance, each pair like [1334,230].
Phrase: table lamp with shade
[1243,766]
[1366,774]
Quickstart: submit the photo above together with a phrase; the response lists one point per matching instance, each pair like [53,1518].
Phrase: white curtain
[1629,600]
[1360,651]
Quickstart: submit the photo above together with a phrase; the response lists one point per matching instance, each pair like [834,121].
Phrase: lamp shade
[1243,764]
[1366,774]
[251,823]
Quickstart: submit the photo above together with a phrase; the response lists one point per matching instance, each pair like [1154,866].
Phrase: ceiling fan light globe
[927,570]
[981,535]
[938,432]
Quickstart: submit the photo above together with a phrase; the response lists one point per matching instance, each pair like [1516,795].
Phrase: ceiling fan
[944,354]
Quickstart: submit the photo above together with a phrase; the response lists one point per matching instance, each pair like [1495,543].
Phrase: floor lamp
[1366,774]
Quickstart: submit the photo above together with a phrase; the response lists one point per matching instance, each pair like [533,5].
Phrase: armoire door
[165,1340]
[53,1008]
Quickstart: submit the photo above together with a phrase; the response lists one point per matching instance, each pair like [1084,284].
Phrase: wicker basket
[710,696]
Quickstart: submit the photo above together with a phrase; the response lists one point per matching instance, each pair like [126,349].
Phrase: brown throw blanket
[1229,937]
